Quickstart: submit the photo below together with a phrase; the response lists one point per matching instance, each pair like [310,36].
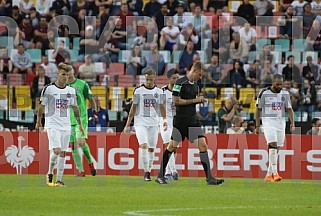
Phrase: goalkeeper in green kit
[77,140]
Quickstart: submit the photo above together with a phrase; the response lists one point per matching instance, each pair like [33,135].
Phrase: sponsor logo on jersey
[149,102]
[61,103]
[156,95]
[277,105]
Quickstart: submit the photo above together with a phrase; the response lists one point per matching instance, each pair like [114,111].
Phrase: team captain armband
[177,88]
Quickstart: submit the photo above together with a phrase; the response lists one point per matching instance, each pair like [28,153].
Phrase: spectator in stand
[226,34]
[180,19]
[316,7]
[110,50]
[5,8]
[238,49]
[284,4]
[246,10]
[62,7]
[39,81]
[186,58]
[267,74]
[34,17]
[316,124]
[226,114]
[308,18]
[22,61]
[313,40]
[61,54]
[294,94]
[77,7]
[155,60]
[263,8]
[205,111]
[187,34]
[115,7]
[308,97]
[172,5]
[26,33]
[237,75]
[24,6]
[298,6]
[87,71]
[120,34]
[199,20]
[253,75]
[236,126]
[42,6]
[103,15]
[150,36]
[103,118]
[206,80]
[128,22]
[16,15]
[291,71]
[42,34]
[215,71]
[50,68]
[5,62]
[89,45]
[286,22]
[217,46]
[151,8]
[249,35]
[136,6]
[160,16]
[267,55]
[311,72]
[169,36]
[136,63]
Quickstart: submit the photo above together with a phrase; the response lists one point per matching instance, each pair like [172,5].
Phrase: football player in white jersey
[55,102]
[172,75]
[148,105]
[271,105]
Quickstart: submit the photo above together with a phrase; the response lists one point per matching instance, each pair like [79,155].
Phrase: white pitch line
[149,212]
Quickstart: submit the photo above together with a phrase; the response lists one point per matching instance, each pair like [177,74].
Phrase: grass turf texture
[115,195]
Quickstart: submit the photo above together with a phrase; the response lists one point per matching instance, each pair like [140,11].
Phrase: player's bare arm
[40,113]
[163,113]
[130,117]
[77,116]
[257,120]
[94,108]
[291,117]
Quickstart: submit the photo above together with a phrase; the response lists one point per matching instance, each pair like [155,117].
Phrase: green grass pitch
[116,195]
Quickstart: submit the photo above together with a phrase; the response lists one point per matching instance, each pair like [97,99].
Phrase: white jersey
[148,101]
[57,102]
[274,107]
[170,106]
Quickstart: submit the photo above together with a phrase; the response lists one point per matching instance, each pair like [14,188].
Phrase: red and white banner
[117,154]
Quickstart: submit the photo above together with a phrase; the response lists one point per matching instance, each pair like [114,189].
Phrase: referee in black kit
[186,123]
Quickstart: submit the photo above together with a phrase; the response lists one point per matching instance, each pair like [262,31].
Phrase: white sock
[171,168]
[151,160]
[143,154]
[273,160]
[52,162]
[60,168]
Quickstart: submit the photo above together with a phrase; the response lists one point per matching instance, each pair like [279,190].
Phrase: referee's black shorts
[188,127]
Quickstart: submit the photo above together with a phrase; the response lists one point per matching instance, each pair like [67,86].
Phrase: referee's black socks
[167,154]
[206,164]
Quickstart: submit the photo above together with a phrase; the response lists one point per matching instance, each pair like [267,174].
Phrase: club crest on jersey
[61,103]
[149,102]
[68,95]
[77,88]
[283,98]
[156,95]
[277,105]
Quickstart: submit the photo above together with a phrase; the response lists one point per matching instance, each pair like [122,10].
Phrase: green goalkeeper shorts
[76,134]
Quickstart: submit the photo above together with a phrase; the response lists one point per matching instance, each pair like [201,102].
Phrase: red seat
[29,79]
[161,81]
[125,80]
[15,79]
[116,69]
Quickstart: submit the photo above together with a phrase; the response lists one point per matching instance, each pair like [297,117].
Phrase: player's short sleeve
[87,92]
[44,96]
[162,97]
[136,96]
[287,100]
[73,98]
[177,89]
[260,100]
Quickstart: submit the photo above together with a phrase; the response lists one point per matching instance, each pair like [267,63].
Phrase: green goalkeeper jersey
[83,93]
